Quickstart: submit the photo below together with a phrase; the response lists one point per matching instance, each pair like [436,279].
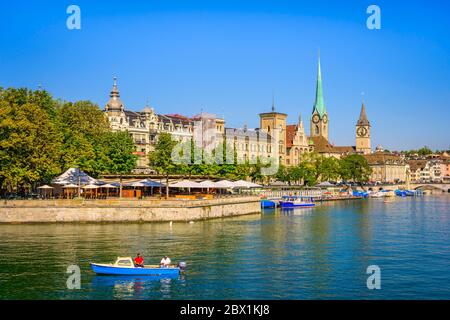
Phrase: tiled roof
[322,145]
[383,158]
[291,129]
[417,164]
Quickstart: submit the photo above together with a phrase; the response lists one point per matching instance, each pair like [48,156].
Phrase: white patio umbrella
[70,186]
[185,184]
[241,184]
[224,184]
[207,184]
[90,186]
[45,188]
[137,184]
[107,187]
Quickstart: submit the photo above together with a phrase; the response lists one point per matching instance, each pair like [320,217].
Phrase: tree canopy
[40,137]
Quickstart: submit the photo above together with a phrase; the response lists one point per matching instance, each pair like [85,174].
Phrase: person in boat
[139,261]
[165,262]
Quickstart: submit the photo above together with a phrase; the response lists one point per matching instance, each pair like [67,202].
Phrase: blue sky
[227,57]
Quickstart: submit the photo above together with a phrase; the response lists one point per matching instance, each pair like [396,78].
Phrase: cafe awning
[185,184]
[45,187]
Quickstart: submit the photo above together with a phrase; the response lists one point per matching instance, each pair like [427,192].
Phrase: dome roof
[114,103]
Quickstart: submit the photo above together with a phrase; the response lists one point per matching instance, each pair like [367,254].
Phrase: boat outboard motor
[182,265]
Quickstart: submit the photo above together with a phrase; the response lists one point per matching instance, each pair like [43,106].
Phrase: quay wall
[121,210]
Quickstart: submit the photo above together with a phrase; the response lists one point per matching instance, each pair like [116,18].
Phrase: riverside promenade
[125,210]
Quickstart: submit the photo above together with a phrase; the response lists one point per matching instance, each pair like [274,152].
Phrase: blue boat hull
[268,204]
[288,204]
[110,270]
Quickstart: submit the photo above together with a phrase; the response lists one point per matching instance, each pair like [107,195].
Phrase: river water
[318,253]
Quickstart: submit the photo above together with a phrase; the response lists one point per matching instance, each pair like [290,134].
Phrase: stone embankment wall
[122,210]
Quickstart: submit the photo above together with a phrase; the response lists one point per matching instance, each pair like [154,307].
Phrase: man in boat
[165,262]
[139,261]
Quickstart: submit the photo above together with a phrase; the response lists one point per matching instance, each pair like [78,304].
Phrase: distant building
[387,167]
[274,139]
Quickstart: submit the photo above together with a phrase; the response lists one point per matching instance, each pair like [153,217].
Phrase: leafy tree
[84,128]
[424,151]
[118,152]
[161,158]
[328,168]
[29,141]
[355,167]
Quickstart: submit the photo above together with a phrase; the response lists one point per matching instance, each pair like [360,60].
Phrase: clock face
[361,131]
[315,118]
[325,118]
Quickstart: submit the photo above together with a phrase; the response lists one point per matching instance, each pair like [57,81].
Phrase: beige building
[387,167]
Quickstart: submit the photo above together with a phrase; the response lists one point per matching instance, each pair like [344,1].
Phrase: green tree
[355,168]
[84,129]
[29,141]
[118,154]
[161,158]
[424,151]
[328,168]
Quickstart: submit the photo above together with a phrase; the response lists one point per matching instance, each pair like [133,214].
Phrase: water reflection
[123,287]
[320,252]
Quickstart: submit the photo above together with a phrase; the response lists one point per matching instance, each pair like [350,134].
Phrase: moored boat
[125,266]
[297,202]
[265,203]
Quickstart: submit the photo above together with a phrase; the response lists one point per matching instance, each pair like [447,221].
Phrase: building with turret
[275,139]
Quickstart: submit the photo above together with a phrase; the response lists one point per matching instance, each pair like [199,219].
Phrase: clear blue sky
[228,56]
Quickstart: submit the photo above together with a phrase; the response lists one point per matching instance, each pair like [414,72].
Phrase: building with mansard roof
[274,139]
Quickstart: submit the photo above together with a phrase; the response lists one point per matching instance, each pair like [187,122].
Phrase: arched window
[317,129]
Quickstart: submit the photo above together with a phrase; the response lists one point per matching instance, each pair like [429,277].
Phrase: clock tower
[363,133]
[319,116]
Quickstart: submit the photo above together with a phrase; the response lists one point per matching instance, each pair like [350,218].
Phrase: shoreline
[121,210]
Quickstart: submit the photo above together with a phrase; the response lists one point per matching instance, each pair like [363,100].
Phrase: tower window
[317,129]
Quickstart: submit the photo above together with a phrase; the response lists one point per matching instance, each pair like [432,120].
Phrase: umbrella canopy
[151,183]
[245,184]
[74,176]
[45,187]
[68,186]
[208,184]
[325,184]
[108,186]
[136,184]
[225,184]
[185,184]
[91,186]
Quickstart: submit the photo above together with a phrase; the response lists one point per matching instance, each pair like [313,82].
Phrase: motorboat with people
[297,202]
[126,266]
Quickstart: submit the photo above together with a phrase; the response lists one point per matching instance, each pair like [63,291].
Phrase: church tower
[363,133]
[274,124]
[319,116]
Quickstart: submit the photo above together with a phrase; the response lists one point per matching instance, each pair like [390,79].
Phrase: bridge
[432,187]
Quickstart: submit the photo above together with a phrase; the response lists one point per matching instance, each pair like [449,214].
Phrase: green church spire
[319,105]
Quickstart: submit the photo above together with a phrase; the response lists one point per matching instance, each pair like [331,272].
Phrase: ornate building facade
[274,139]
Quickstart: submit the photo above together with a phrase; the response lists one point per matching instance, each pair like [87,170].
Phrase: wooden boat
[297,202]
[125,266]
